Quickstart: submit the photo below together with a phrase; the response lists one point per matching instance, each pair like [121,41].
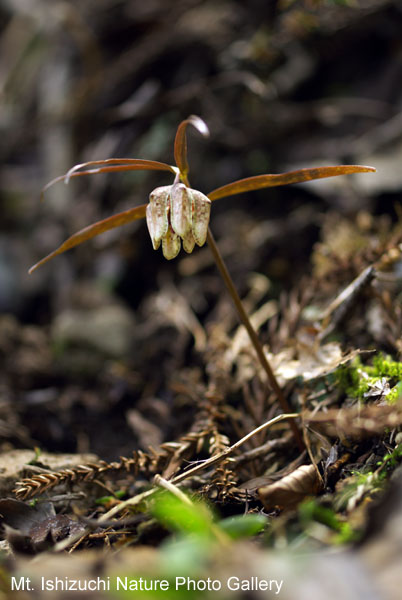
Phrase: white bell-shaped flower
[177,212]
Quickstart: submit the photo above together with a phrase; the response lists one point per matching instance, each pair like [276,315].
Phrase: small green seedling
[177,214]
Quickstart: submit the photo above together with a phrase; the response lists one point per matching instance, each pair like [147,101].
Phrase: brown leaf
[32,529]
[356,422]
[21,516]
[97,228]
[262,181]
[120,164]
[311,363]
[180,142]
[291,489]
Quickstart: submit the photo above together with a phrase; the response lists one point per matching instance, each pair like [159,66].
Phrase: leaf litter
[204,402]
[358,434]
[223,441]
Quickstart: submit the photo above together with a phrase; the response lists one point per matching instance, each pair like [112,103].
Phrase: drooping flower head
[177,212]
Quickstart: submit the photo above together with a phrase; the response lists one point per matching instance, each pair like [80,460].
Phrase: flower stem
[252,335]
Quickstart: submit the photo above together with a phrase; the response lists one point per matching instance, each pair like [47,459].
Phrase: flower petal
[170,244]
[180,209]
[129,164]
[157,213]
[188,242]
[201,214]
[156,242]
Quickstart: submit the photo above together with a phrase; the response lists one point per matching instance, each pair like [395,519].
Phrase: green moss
[358,380]
[384,366]
[351,380]
[389,462]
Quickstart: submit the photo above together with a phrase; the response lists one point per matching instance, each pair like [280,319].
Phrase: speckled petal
[170,244]
[201,214]
[150,223]
[157,214]
[188,242]
[180,209]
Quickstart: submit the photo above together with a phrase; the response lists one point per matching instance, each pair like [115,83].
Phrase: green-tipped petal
[170,244]
[188,242]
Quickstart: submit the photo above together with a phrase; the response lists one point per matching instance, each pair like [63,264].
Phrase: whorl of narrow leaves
[183,218]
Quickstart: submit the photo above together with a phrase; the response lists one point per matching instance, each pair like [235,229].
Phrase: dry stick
[225,453]
[252,335]
[173,489]
[198,467]
[63,544]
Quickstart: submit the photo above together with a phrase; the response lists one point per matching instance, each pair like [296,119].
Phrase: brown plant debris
[291,489]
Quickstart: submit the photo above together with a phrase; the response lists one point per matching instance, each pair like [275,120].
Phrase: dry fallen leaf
[311,362]
[291,489]
[32,529]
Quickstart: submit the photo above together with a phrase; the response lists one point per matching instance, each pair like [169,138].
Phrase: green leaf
[180,142]
[106,499]
[262,181]
[38,452]
[185,555]
[243,526]
[95,229]
[181,517]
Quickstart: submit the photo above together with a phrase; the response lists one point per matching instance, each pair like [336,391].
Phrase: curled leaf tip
[71,171]
[198,124]
[180,142]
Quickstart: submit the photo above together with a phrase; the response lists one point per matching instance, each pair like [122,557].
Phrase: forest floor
[140,439]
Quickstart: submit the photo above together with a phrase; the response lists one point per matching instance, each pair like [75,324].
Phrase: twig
[172,488]
[135,500]
[219,457]
[201,466]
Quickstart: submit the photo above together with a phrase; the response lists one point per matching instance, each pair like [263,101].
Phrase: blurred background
[281,84]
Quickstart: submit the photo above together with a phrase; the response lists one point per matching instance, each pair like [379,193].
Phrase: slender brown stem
[252,335]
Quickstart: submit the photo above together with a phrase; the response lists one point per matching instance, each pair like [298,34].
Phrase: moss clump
[385,367]
[382,378]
